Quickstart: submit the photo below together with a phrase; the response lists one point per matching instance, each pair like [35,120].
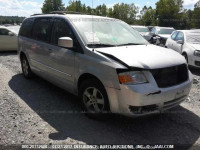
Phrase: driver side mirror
[66,42]
[11,34]
[180,42]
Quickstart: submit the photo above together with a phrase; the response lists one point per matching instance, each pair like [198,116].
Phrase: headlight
[134,77]
[197,53]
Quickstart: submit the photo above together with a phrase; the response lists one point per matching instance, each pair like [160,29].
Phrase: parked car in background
[159,35]
[14,29]
[187,43]
[7,25]
[150,28]
[8,38]
[105,62]
[144,31]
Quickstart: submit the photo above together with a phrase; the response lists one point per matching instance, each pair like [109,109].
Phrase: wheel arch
[86,76]
[184,52]
[22,54]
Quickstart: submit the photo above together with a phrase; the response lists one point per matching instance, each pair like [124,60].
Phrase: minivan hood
[145,56]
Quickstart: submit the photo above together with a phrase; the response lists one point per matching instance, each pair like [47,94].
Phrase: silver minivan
[105,62]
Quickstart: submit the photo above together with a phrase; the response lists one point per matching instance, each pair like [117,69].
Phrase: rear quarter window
[26,27]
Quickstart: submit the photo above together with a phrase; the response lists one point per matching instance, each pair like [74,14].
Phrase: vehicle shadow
[8,53]
[62,111]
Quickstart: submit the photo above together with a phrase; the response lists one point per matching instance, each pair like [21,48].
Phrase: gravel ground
[37,112]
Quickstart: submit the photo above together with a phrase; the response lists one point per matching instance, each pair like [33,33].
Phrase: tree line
[11,20]
[169,13]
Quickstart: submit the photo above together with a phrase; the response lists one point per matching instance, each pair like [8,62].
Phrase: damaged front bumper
[148,98]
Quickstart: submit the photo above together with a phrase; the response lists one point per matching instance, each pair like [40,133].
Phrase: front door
[62,59]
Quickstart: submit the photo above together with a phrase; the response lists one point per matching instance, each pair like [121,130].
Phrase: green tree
[52,5]
[196,18]
[143,11]
[149,17]
[71,6]
[84,9]
[125,12]
[104,10]
[89,10]
[101,10]
[110,12]
[98,10]
[169,12]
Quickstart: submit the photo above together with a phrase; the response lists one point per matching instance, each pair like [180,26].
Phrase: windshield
[193,37]
[141,29]
[165,31]
[15,29]
[107,33]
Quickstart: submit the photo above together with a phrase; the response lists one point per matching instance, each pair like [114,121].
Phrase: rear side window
[26,27]
[4,32]
[61,29]
[42,29]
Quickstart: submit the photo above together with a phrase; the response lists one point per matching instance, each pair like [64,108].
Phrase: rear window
[141,29]
[165,31]
[26,27]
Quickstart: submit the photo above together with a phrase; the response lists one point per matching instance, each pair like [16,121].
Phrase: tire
[186,58]
[26,68]
[94,99]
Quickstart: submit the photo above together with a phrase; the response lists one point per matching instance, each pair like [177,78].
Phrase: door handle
[35,46]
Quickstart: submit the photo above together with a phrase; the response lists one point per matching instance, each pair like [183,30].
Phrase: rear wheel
[26,68]
[94,99]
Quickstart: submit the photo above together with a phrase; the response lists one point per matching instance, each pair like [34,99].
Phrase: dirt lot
[37,112]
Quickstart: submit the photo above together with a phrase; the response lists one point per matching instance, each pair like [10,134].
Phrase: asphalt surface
[37,112]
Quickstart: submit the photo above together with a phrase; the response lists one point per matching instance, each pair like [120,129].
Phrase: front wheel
[94,99]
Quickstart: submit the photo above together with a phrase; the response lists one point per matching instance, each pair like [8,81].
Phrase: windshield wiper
[100,45]
[130,44]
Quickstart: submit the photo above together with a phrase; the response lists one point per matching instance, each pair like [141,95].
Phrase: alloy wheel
[93,100]
[25,67]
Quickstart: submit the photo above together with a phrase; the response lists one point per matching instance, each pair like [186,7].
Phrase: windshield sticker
[91,37]
[115,39]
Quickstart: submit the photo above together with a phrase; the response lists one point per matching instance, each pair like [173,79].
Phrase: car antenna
[92,26]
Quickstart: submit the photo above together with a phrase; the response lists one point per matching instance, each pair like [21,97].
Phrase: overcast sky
[29,7]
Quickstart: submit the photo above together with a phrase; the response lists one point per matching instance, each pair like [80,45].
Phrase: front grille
[170,76]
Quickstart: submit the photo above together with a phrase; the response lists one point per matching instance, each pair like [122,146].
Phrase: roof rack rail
[61,13]
[65,12]
[36,14]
